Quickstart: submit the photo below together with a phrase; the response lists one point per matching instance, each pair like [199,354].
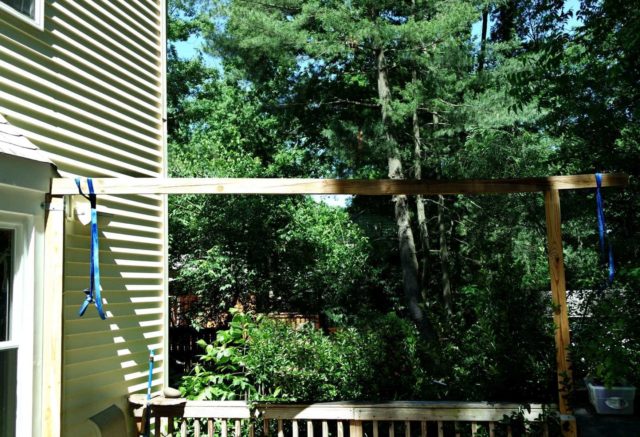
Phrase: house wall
[88,89]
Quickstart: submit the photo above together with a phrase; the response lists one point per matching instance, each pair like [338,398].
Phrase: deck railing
[177,417]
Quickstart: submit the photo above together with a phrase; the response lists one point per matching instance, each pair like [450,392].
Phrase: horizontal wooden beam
[389,411]
[400,411]
[377,187]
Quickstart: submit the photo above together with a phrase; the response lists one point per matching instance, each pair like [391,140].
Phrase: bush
[262,359]
[607,341]
[220,373]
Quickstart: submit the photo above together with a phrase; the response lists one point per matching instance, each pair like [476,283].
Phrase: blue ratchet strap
[93,292]
[602,229]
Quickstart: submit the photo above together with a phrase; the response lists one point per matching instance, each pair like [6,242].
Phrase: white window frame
[37,21]
[22,314]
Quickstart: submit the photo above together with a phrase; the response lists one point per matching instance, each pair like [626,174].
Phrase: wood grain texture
[52,301]
[379,187]
[559,296]
[355,428]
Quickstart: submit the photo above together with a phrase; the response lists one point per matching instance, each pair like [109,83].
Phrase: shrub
[220,373]
[607,341]
[263,359]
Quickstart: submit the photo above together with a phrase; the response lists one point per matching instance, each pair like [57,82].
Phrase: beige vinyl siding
[89,91]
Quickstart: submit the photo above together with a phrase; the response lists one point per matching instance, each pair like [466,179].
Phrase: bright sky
[569,5]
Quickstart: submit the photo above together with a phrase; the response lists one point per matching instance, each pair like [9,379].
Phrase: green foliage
[303,365]
[281,253]
[297,95]
[221,372]
[496,351]
[379,360]
[262,359]
[606,343]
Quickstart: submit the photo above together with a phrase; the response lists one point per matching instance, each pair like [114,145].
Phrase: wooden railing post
[355,428]
[52,317]
[560,311]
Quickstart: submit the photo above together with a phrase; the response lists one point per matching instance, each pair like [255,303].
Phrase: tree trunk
[483,38]
[420,211]
[444,257]
[408,258]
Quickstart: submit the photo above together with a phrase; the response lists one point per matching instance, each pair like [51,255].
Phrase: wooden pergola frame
[550,186]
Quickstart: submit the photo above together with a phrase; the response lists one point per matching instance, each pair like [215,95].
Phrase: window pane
[6,276]
[26,7]
[8,379]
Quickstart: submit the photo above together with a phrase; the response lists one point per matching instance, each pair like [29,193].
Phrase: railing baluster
[252,431]
[440,428]
[265,428]
[423,429]
[340,429]
[545,429]
[492,429]
[223,428]
[509,432]
[158,426]
[183,427]
[375,428]
[407,428]
[196,428]
[392,431]
[309,428]
[474,429]
[355,428]
[170,429]
[325,429]
[238,429]
[294,428]
[280,430]
[210,427]
[456,428]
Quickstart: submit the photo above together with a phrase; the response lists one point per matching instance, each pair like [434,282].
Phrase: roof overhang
[22,163]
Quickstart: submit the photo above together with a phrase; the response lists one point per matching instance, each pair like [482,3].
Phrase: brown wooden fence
[183,347]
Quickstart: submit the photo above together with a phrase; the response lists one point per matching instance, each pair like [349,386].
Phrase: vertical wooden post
[295,432]
[280,428]
[560,311]
[355,428]
[52,316]
[309,428]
